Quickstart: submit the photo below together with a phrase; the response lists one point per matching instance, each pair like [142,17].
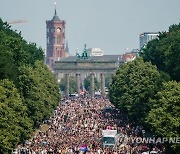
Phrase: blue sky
[112,25]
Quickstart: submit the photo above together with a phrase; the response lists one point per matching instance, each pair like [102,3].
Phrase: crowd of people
[77,125]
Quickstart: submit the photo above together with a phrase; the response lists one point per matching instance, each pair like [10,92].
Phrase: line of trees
[28,90]
[148,89]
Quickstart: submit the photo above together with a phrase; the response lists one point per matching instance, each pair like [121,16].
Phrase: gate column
[92,84]
[78,83]
[66,85]
[102,84]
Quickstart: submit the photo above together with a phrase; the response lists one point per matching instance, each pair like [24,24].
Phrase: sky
[112,25]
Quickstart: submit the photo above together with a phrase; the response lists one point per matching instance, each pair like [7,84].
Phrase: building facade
[55,40]
[146,37]
[93,66]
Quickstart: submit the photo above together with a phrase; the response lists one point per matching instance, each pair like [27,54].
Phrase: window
[58,39]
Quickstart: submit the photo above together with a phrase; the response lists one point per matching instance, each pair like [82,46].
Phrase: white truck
[110,138]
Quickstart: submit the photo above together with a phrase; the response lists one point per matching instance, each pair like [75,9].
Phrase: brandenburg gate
[83,66]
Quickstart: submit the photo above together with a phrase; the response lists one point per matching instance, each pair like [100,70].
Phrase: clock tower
[55,36]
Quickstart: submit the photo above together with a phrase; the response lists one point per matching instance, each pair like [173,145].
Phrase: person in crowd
[76,128]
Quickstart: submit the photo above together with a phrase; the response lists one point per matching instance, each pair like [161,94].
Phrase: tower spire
[55,17]
[67,47]
[55,13]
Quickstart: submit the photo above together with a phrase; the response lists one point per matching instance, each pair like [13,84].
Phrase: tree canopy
[15,126]
[164,52]
[38,87]
[15,52]
[143,89]
[164,115]
[28,90]
[132,86]
[108,81]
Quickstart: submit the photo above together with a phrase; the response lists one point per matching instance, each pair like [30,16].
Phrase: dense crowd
[77,125]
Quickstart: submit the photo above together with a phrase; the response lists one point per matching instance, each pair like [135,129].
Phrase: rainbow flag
[84,148]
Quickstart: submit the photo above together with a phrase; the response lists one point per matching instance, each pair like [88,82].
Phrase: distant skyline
[112,25]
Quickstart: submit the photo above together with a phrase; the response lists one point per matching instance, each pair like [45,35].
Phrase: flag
[84,148]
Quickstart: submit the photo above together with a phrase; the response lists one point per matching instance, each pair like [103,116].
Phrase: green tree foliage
[15,52]
[164,52]
[108,81]
[164,116]
[87,83]
[132,86]
[28,90]
[6,28]
[15,126]
[40,90]
[72,84]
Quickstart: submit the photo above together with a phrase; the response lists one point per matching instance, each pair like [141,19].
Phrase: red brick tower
[55,32]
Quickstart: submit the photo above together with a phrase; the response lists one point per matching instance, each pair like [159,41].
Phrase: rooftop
[55,17]
[95,58]
[150,33]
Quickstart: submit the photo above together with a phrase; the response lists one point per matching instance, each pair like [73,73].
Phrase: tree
[28,90]
[15,52]
[72,84]
[15,126]
[40,91]
[164,116]
[108,81]
[87,83]
[7,67]
[164,52]
[132,86]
